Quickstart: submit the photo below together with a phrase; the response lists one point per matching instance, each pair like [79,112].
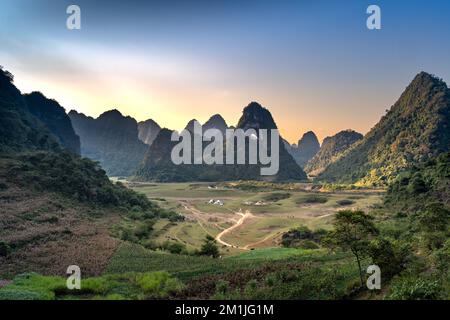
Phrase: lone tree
[352,232]
[209,247]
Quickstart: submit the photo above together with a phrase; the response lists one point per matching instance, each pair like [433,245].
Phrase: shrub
[297,237]
[312,198]
[5,249]
[414,288]
[345,202]
[209,247]
[158,284]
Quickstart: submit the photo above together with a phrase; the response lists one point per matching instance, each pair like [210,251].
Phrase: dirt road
[234,226]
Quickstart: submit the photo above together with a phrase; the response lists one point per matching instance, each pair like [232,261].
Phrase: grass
[135,258]
[150,285]
[283,206]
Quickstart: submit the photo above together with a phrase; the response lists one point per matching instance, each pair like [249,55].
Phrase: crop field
[135,258]
[244,219]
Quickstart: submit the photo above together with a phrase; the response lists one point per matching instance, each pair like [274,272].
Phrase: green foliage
[433,223]
[74,177]
[311,198]
[174,247]
[352,231]
[422,185]
[124,286]
[390,256]
[19,129]
[345,202]
[415,288]
[307,284]
[414,130]
[209,247]
[33,286]
[303,237]
[276,196]
[332,148]
[5,249]
[158,284]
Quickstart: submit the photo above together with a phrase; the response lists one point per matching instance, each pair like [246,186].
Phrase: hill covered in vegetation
[50,197]
[332,148]
[415,129]
[19,129]
[49,112]
[111,139]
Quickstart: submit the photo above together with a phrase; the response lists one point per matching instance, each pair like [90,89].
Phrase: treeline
[75,177]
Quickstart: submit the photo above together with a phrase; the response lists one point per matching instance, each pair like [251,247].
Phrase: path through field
[237,224]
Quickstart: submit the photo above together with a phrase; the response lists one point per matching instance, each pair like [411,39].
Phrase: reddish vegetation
[48,233]
[204,287]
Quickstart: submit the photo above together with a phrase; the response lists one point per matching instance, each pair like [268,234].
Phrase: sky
[314,64]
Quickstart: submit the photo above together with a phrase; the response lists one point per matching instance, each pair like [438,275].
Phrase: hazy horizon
[313,64]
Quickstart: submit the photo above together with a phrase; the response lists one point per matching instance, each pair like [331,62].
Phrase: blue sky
[314,64]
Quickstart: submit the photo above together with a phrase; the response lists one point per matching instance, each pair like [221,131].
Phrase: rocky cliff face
[147,131]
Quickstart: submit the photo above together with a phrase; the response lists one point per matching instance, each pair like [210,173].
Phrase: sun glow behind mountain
[314,65]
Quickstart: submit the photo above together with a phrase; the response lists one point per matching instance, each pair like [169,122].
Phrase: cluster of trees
[427,232]
[72,176]
[303,237]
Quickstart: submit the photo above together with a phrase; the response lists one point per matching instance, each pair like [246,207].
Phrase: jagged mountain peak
[256,116]
[216,122]
[416,128]
[148,130]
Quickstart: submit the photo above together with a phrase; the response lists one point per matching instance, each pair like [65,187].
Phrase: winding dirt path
[234,226]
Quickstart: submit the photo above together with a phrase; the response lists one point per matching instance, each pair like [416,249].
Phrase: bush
[5,249]
[313,198]
[415,288]
[345,202]
[13,294]
[391,257]
[297,237]
[174,247]
[209,247]
[158,284]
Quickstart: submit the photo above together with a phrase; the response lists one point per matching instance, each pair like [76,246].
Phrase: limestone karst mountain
[157,163]
[415,129]
[305,149]
[332,148]
[148,130]
[215,122]
[112,139]
[55,118]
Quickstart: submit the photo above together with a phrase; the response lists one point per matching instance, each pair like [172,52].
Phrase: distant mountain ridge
[415,129]
[157,164]
[112,139]
[216,122]
[332,148]
[306,148]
